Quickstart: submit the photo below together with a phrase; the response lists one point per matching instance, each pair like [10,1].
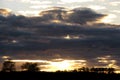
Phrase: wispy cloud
[97,7]
[116,11]
[108,61]
[101,0]
[25,1]
[40,6]
[115,3]
[40,2]
[71,1]
[109,18]
[33,61]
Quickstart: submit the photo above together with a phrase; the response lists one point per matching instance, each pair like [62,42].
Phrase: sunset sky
[73,33]
[33,7]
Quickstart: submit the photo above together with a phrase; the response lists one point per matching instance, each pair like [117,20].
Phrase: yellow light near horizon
[67,37]
[55,64]
[64,65]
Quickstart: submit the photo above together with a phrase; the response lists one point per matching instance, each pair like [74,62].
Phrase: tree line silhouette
[9,66]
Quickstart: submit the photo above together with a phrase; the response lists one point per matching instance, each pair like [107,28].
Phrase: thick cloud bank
[77,15]
[58,32]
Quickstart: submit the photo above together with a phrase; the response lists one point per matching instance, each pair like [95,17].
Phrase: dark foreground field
[57,76]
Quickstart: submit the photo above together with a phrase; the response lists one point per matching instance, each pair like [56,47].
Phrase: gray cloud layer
[39,36]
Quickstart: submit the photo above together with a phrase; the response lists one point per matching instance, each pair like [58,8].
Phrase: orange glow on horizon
[56,64]
[64,65]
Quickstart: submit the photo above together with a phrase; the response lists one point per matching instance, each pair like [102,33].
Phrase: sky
[33,7]
[73,33]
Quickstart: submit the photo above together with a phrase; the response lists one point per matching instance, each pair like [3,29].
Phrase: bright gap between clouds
[108,18]
[66,64]
[57,64]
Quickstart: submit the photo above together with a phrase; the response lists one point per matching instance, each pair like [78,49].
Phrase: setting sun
[64,65]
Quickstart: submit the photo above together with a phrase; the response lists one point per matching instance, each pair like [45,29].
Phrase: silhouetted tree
[111,70]
[75,70]
[103,70]
[8,66]
[98,70]
[32,67]
[83,69]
